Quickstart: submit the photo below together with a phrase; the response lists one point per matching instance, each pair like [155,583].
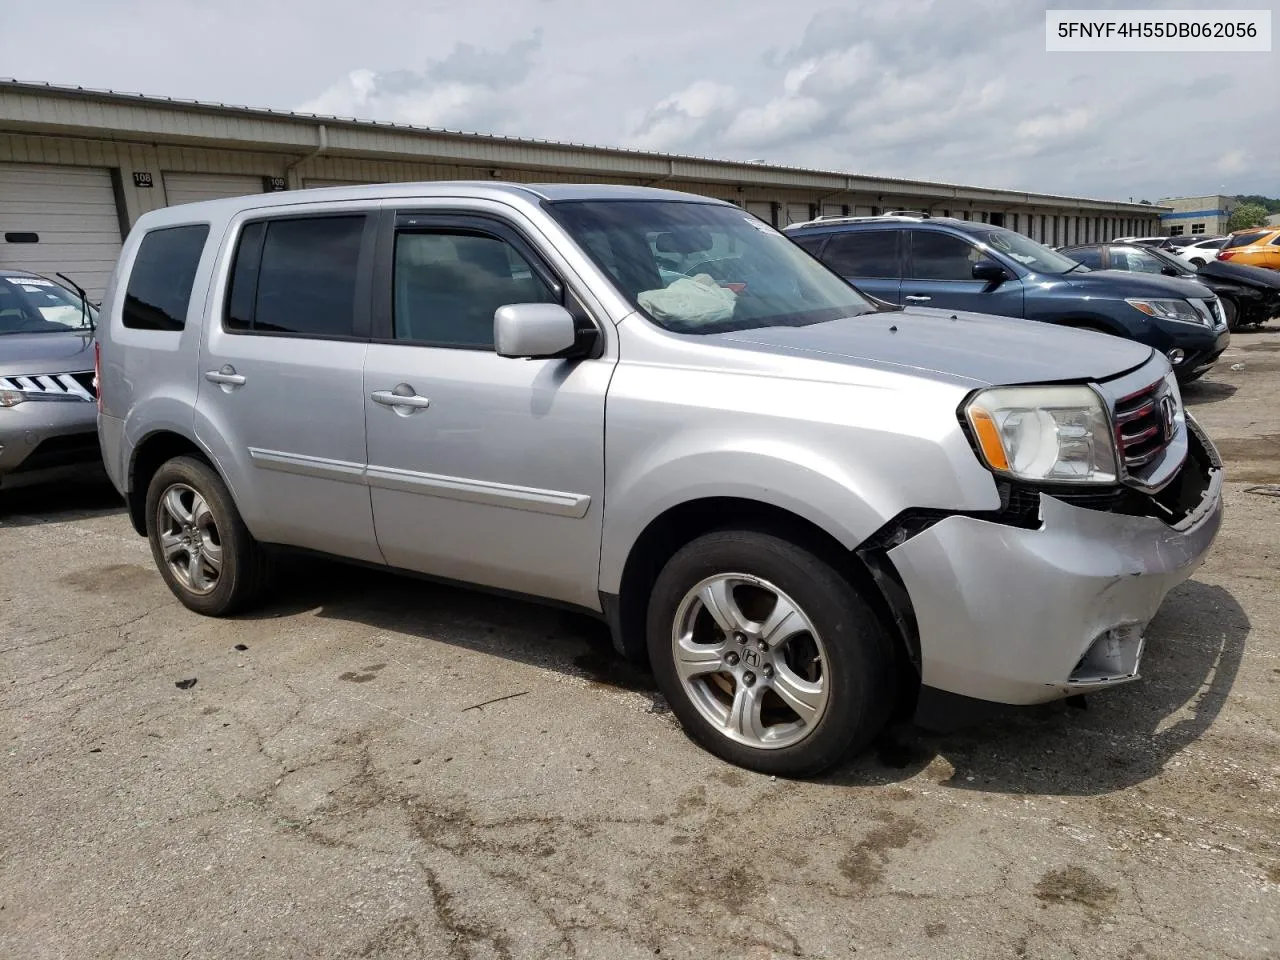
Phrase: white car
[1200,252]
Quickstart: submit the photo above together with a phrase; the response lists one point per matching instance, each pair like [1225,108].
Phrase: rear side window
[872,254]
[296,276]
[159,289]
[1243,240]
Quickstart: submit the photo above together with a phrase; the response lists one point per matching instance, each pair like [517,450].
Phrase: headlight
[1044,434]
[11,398]
[1180,310]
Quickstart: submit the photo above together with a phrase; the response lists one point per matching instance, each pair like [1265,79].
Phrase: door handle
[226,377]
[404,400]
[917,299]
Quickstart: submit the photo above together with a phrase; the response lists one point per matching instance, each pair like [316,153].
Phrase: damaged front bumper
[1022,615]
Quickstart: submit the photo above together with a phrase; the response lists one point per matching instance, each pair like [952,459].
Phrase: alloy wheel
[189,538]
[750,661]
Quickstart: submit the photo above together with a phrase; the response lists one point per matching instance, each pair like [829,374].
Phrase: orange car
[1255,247]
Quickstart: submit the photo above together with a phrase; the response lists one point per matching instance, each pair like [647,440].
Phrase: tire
[837,647]
[1197,261]
[1231,310]
[177,523]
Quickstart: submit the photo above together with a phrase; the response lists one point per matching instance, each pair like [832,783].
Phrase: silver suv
[800,505]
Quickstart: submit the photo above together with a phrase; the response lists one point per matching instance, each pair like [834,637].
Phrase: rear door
[492,470]
[940,274]
[869,259]
[281,377]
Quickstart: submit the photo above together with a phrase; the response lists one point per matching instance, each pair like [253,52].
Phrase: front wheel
[767,655]
[1231,312]
[203,549]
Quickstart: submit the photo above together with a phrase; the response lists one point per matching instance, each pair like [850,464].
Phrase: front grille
[1142,431]
[56,386]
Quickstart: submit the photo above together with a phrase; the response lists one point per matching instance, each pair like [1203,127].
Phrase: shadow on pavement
[1206,391]
[563,640]
[1123,736]
[60,501]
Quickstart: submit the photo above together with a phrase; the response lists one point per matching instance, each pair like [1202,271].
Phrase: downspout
[323,145]
[671,172]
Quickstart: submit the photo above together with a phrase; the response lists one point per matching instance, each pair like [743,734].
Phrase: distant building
[1196,215]
[78,167]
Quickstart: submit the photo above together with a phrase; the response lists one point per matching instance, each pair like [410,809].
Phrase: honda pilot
[799,506]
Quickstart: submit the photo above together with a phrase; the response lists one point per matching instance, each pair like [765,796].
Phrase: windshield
[1036,257]
[37,305]
[706,268]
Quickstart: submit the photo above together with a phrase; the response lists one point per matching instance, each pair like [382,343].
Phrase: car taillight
[97,372]
[1226,254]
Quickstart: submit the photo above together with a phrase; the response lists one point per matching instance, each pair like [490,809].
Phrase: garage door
[761,209]
[190,187]
[796,212]
[59,219]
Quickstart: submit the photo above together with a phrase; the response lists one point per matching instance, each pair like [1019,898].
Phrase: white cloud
[779,119]
[675,122]
[936,89]
[1233,161]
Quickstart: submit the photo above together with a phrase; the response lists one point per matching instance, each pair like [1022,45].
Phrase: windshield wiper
[1078,266]
[86,318]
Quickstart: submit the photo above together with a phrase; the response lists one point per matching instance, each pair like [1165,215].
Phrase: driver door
[940,274]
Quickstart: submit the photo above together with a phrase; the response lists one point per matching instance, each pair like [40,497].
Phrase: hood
[1121,284]
[31,354]
[1242,274]
[954,346]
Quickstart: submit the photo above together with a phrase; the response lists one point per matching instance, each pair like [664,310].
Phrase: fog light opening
[1176,355]
[1113,656]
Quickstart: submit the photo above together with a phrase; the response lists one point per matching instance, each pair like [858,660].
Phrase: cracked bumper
[1012,615]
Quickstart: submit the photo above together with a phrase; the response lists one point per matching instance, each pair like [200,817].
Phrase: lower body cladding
[43,440]
[1017,615]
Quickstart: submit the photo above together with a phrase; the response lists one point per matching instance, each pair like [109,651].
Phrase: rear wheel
[200,544]
[767,655]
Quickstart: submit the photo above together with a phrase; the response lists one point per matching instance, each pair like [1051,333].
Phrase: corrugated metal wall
[128,158]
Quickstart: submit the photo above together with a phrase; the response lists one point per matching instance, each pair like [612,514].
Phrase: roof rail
[890,215]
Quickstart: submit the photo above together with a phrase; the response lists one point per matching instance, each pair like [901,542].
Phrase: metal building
[1192,216]
[78,167]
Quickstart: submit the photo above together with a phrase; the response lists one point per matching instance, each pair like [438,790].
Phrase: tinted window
[1243,239]
[449,283]
[1135,259]
[812,244]
[164,270]
[1091,257]
[865,253]
[296,276]
[941,256]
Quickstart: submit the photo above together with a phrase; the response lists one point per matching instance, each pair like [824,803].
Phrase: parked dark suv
[963,265]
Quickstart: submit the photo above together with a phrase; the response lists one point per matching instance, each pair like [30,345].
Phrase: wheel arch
[148,456]
[870,572]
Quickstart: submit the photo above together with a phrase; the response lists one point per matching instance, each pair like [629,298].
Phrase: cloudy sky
[956,90]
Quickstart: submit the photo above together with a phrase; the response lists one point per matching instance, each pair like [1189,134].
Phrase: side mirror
[1169,272]
[529,330]
[991,272]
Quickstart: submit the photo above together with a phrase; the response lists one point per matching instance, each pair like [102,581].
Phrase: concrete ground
[334,783]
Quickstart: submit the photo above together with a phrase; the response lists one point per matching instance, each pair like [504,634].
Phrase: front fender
[850,500]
